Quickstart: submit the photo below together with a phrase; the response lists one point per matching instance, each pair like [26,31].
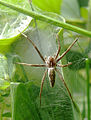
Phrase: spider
[51,64]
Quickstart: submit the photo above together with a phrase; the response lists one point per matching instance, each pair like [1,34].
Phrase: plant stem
[47,19]
[88,87]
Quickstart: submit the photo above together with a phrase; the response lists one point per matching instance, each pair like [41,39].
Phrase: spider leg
[42,82]
[61,78]
[33,65]
[67,50]
[59,47]
[34,46]
[58,65]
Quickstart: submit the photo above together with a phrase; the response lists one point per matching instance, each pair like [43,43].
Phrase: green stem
[47,19]
[88,87]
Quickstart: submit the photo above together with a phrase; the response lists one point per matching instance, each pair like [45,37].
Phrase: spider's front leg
[59,47]
[61,78]
[34,47]
[67,50]
[32,65]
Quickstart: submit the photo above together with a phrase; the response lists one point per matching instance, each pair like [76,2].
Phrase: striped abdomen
[51,75]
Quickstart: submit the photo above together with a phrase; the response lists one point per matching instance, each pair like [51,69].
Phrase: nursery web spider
[51,62]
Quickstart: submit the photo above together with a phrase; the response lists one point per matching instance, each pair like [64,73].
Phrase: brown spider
[51,62]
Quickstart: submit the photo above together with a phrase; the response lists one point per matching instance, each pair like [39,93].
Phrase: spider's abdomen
[51,75]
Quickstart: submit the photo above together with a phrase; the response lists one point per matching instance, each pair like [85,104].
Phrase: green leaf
[6,114]
[3,73]
[55,103]
[83,3]
[49,6]
[22,3]
[70,9]
[84,12]
[11,22]
[23,109]
[4,84]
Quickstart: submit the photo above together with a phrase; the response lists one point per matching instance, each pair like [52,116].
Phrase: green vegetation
[41,21]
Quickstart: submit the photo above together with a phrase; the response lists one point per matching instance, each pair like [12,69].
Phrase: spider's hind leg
[42,82]
[61,78]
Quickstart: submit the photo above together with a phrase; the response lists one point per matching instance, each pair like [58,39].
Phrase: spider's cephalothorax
[51,63]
